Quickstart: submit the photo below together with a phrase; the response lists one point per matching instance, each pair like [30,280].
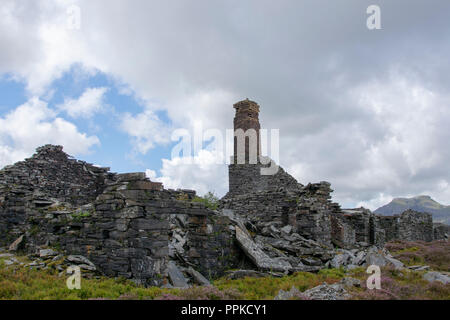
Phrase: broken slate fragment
[176,276]
[255,253]
[82,262]
[436,276]
[198,277]
[44,253]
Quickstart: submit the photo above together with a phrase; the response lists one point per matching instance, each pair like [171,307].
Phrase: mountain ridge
[421,203]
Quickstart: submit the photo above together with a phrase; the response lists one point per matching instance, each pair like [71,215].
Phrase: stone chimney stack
[246,118]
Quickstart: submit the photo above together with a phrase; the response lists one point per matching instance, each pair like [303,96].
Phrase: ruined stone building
[132,227]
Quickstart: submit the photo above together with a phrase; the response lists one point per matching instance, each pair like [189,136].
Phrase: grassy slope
[22,283]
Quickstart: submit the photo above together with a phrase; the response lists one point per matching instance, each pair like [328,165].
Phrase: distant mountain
[440,212]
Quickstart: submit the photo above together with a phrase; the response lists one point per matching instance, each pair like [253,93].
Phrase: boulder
[359,258]
[198,277]
[398,265]
[294,293]
[287,229]
[378,258]
[87,267]
[436,276]
[311,261]
[339,260]
[46,253]
[350,282]
[327,292]
[176,276]
[81,261]
[132,176]
[257,255]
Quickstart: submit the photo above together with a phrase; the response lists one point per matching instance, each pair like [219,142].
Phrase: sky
[112,81]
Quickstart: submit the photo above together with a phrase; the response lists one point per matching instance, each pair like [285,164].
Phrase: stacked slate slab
[127,225]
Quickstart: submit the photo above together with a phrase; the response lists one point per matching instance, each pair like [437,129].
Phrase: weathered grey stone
[311,261]
[198,277]
[78,259]
[441,231]
[327,292]
[413,226]
[294,293]
[419,268]
[287,229]
[359,258]
[436,276]
[339,260]
[45,253]
[87,267]
[378,258]
[145,185]
[176,277]
[255,253]
[394,262]
[350,282]
[132,176]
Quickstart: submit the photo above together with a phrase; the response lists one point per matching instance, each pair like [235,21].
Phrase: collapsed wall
[307,209]
[413,225]
[53,173]
[37,182]
[133,228]
[409,226]
[280,199]
[441,231]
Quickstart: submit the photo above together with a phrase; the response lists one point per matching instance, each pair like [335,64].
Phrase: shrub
[210,200]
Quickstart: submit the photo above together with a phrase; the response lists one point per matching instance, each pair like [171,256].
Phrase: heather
[20,282]
[401,285]
[435,254]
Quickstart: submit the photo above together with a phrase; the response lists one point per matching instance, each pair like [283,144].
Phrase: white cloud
[33,124]
[89,103]
[146,130]
[398,149]
[37,46]
[200,173]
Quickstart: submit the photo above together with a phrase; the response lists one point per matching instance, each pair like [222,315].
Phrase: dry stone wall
[441,231]
[247,178]
[306,209]
[52,173]
[133,228]
[413,225]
